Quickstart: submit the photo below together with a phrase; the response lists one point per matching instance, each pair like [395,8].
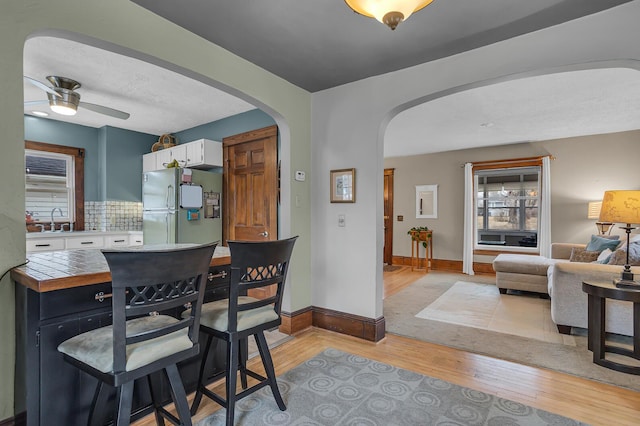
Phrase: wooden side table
[598,293]
[416,240]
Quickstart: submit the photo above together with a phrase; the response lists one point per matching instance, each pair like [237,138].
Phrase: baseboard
[447,265]
[19,419]
[352,325]
[293,322]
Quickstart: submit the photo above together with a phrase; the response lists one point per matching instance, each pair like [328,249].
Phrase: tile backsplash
[112,216]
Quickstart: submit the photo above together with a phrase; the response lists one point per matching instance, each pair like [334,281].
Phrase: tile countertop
[63,234]
[57,270]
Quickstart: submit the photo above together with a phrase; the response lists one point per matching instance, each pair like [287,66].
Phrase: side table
[416,240]
[598,293]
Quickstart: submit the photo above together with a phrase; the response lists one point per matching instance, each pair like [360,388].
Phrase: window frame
[506,165]
[78,190]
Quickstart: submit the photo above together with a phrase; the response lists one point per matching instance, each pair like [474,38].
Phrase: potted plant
[419,233]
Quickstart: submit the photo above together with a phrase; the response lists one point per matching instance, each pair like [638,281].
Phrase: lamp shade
[620,207]
[389,12]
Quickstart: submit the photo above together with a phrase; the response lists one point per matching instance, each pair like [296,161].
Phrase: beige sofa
[569,302]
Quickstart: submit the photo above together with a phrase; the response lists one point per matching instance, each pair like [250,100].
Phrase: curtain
[469,217]
[544,239]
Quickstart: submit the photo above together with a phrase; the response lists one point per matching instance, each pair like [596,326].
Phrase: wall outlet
[300,176]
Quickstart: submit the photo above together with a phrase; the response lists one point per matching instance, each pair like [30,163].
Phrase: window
[49,186]
[507,204]
[54,184]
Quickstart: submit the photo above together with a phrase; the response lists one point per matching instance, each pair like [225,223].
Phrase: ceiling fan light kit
[63,98]
[389,12]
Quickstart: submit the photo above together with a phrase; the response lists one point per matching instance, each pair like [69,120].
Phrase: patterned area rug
[337,388]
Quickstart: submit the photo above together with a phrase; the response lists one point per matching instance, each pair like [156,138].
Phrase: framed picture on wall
[426,201]
[343,186]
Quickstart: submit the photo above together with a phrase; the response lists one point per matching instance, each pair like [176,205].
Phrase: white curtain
[469,215]
[544,239]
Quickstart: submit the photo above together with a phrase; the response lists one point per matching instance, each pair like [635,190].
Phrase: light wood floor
[588,401]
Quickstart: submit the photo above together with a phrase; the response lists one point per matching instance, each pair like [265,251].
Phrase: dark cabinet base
[49,388]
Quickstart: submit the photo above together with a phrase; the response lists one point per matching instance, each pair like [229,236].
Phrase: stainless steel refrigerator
[181,206]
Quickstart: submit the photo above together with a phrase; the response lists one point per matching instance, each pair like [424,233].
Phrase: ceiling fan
[64,99]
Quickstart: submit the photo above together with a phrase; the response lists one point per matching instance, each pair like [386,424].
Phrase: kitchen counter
[60,295]
[58,234]
[58,270]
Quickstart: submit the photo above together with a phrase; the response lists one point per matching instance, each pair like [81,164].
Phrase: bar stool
[140,341]
[253,265]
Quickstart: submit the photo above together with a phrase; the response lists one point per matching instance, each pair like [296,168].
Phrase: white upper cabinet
[199,154]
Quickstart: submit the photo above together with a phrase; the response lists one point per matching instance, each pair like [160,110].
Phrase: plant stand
[417,238]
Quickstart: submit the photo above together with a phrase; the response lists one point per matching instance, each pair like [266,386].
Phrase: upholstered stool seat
[94,347]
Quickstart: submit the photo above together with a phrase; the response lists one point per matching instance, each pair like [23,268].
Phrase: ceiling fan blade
[42,86]
[34,103]
[105,110]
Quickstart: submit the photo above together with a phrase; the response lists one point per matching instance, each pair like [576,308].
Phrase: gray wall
[113,157]
[584,168]
[217,130]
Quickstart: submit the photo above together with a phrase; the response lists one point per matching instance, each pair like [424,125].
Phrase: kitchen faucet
[53,210]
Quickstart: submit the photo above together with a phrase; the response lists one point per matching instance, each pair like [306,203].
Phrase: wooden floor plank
[589,401]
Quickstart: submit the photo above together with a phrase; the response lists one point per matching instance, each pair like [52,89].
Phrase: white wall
[584,167]
[349,122]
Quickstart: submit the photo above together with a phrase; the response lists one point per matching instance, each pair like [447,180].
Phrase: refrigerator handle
[170,197]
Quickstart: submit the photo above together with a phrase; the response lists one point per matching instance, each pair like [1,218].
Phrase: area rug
[482,306]
[400,312]
[338,388]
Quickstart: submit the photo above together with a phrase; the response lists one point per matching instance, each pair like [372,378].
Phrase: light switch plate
[300,176]
[341,220]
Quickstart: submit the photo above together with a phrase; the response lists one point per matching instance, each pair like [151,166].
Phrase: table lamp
[593,212]
[622,207]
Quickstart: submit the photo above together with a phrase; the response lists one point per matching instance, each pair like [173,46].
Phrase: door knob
[264,234]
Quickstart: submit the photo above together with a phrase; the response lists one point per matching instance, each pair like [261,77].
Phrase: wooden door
[250,180]
[387,256]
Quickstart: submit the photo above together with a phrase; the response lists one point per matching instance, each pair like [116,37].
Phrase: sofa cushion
[604,256]
[598,244]
[582,255]
[619,257]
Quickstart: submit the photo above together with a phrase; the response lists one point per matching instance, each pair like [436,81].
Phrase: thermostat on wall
[299,176]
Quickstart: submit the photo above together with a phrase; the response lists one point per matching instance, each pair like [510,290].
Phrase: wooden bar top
[57,270]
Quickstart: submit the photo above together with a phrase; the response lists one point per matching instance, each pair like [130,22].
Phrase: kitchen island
[60,294]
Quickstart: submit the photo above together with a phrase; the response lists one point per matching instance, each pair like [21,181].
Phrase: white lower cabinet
[45,244]
[135,240]
[84,242]
[117,240]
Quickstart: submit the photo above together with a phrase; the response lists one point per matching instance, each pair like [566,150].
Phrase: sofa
[569,302]
[561,279]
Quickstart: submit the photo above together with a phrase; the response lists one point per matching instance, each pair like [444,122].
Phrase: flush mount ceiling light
[389,12]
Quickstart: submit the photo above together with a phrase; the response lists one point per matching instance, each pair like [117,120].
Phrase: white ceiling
[161,101]
[554,106]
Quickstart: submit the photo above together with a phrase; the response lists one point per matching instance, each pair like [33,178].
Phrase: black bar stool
[253,265]
[141,341]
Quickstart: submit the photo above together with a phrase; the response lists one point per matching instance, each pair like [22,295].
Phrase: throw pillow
[619,257]
[604,256]
[579,254]
[598,244]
